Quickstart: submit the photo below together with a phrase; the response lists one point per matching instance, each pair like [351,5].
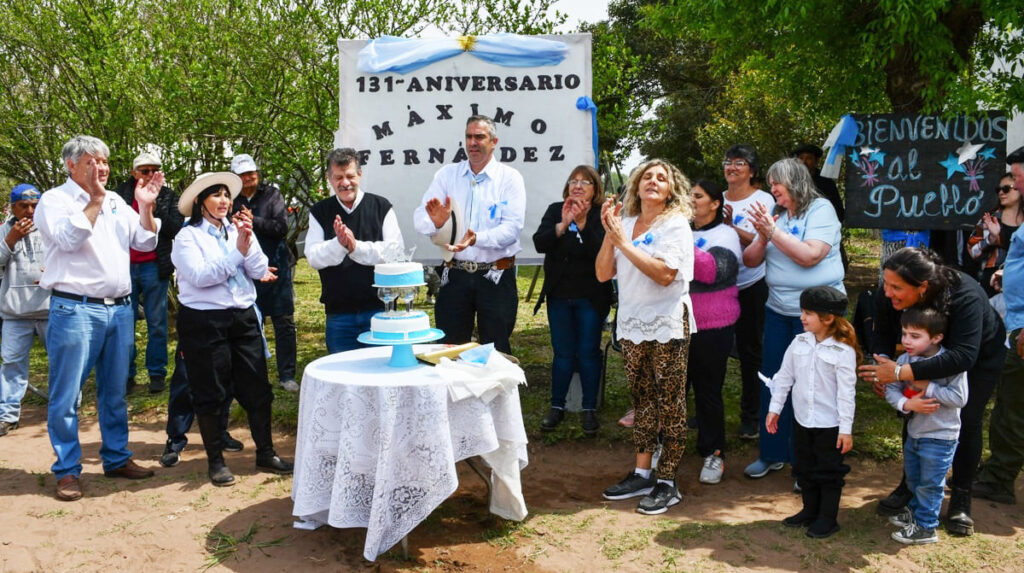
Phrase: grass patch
[223,546]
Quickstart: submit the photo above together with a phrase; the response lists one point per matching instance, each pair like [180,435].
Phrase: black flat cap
[1015,157]
[823,299]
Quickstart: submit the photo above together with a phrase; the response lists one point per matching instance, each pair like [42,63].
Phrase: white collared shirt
[496,210]
[85,258]
[822,376]
[204,270]
[323,252]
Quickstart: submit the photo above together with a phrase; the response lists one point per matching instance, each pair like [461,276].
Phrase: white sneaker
[290,385]
[714,467]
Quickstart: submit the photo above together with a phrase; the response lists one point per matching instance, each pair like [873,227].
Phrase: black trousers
[749,330]
[968,451]
[709,352]
[285,346]
[817,462]
[470,298]
[223,352]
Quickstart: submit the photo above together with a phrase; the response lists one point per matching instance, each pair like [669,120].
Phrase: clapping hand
[19,230]
[762,219]
[727,214]
[344,234]
[991,224]
[468,240]
[269,277]
[439,212]
[146,194]
[244,226]
[612,223]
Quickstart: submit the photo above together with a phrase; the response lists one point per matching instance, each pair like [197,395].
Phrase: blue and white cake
[398,275]
[400,327]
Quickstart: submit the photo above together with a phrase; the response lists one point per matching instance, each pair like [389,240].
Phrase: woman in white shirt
[217,259]
[650,250]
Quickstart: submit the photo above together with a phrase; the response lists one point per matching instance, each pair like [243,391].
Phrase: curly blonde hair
[680,198]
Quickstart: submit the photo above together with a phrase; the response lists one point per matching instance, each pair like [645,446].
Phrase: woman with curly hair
[650,249]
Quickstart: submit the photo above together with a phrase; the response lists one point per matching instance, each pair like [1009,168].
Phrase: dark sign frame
[910,171]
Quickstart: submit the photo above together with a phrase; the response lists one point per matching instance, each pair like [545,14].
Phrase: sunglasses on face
[148,170]
[1004,188]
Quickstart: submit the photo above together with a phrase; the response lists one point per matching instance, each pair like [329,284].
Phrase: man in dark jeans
[276,298]
[151,272]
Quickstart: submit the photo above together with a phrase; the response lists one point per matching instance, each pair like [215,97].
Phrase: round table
[377,446]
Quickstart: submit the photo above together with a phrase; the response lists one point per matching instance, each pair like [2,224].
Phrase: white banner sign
[407,126]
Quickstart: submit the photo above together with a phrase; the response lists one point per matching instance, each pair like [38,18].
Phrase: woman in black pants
[973,342]
[218,326]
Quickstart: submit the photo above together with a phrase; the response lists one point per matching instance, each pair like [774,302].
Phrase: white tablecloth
[377,446]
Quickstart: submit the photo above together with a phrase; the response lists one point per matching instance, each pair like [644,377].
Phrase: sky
[581,11]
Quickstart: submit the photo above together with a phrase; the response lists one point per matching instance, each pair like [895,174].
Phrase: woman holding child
[973,342]
[650,249]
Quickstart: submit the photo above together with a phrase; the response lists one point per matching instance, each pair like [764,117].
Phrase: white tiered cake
[399,327]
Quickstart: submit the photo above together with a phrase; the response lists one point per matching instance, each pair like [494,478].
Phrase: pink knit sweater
[715,299]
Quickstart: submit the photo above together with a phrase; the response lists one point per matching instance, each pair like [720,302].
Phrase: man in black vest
[348,234]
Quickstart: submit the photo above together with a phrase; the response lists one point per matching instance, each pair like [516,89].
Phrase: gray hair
[342,157]
[491,128]
[794,176]
[80,145]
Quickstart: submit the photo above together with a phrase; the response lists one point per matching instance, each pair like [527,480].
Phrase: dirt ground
[165,523]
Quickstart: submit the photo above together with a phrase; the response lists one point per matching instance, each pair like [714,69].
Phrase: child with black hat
[819,367]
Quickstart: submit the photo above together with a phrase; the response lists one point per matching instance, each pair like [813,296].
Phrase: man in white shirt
[87,232]
[479,283]
[348,234]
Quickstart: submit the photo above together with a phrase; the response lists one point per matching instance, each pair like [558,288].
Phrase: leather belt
[473,266]
[95,300]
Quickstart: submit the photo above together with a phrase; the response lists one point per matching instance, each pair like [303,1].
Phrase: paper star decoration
[988,153]
[968,151]
[952,165]
[854,156]
[878,156]
[868,150]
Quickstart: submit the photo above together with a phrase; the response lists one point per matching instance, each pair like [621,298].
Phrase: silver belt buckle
[108,301]
[470,266]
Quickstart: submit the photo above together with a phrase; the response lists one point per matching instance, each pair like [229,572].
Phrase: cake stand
[401,350]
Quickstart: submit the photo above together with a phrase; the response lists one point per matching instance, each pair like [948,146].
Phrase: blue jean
[779,332]
[926,461]
[146,282]
[576,341]
[18,334]
[342,329]
[80,337]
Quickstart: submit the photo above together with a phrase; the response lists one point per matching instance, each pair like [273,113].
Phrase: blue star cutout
[854,156]
[878,156]
[952,165]
[988,153]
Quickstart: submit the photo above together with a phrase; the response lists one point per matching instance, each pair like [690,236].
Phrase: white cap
[146,158]
[243,163]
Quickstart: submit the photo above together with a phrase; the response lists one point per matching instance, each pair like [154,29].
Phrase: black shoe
[822,528]
[273,463]
[588,420]
[156,384]
[170,458]
[660,499]
[220,475]
[6,427]
[958,517]
[748,430]
[897,500]
[231,444]
[552,420]
[993,492]
[802,519]
[632,486]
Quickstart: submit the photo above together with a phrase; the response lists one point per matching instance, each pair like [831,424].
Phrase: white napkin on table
[486,382]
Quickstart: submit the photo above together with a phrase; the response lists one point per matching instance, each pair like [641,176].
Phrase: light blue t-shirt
[786,279]
[1013,281]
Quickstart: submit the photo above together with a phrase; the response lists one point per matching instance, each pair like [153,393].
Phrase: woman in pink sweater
[715,307]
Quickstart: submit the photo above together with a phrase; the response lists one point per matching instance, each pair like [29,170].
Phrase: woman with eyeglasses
[570,236]
[742,169]
[992,234]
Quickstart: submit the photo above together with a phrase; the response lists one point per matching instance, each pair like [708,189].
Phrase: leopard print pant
[656,373]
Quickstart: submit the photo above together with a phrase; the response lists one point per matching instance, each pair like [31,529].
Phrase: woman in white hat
[217,259]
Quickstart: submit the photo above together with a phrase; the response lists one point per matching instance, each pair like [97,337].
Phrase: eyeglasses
[147,170]
[1004,188]
[580,182]
[736,163]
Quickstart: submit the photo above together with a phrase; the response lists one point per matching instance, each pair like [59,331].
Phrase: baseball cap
[23,192]
[146,158]
[243,163]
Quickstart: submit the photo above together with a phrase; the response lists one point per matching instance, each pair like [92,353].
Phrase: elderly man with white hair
[87,232]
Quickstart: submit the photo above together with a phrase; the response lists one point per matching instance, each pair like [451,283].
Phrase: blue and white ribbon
[403,55]
[842,135]
[584,103]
